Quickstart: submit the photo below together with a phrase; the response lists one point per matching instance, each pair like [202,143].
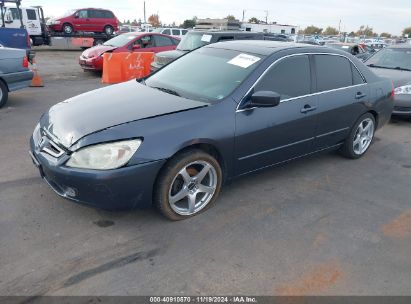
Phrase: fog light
[71,192]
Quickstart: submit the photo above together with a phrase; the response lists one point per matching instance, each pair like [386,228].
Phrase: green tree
[407,31]
[231,18]
[311,30]
[253,20]
[386,35]
[365,31]
[189,23]
[331,31]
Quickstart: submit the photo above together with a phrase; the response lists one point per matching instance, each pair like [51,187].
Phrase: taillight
[393,90]
[25,62]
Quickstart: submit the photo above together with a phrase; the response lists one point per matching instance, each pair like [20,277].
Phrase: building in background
[217,24]
[273,28]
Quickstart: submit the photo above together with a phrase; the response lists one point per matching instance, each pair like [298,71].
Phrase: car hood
[97,50]
[399,78]
[71,120]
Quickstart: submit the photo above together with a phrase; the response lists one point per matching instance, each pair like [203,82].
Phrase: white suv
[175,32]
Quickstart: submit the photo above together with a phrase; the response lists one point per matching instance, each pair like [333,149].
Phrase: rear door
[341,90]
[267,136]
[96,20]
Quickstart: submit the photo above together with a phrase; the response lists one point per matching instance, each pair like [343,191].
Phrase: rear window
[108,15]
[184,32]
[333,72]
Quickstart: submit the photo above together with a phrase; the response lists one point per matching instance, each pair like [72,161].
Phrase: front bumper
[119,189]
[402,105]
[93,64]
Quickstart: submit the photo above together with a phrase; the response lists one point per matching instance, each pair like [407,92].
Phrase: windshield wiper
[402,69]
[168,91]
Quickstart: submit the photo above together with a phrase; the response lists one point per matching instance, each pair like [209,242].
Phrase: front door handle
[307,108]
[360,95]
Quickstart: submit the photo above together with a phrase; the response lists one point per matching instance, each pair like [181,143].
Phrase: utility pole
[145,21]
[266,17]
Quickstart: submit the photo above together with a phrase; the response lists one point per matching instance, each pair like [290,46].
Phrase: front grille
[46,145]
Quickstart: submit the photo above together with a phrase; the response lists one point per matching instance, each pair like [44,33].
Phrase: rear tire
[68,28]
[108,30]
[188,185]
[4,94]
[360,138]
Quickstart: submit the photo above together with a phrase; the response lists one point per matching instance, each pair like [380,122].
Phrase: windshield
[193,41]
[68,13]
[120,40]
[206,74]
[391,59]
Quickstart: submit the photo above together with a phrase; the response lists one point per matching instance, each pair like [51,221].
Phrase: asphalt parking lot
[323,225]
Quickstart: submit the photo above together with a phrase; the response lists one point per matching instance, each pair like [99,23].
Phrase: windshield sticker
[244,60]
[206,38]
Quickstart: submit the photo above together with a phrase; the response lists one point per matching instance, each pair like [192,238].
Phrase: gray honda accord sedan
[228,109]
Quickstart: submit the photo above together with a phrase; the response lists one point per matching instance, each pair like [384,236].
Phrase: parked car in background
[85,20]
[356,50]
[175,32]
[394,62]
[196,39]
[127,29]
[14,72]
[91,59]
[217,113]
[278,37]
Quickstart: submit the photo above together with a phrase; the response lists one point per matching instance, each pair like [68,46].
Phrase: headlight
[403,90]
[104,156]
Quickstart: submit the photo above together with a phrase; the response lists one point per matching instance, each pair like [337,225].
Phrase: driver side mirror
[265,99]
[76,15]
[136,47]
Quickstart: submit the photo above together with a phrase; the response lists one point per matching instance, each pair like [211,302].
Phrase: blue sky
[391,16]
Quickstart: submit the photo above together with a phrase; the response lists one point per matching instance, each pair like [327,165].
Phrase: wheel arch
[5,83]
[376,117]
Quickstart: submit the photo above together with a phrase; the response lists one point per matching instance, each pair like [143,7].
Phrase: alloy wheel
[363,136]
[193,188]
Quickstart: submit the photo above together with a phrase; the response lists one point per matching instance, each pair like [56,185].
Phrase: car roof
[400,46]
[260,47]
[220,33]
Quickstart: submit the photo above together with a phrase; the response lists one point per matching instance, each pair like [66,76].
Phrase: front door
[267,136]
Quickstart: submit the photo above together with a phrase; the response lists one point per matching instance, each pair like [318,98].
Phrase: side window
[146,42]
[333,72]
[162,41]
[184,32]
[166,32]
[31,14]
[175,41]
[108,15]
[176,32]
[356,76]
[15,13]
[283,78]
[83,14]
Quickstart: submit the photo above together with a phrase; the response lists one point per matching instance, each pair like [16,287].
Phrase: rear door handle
[360,95]
[307,108]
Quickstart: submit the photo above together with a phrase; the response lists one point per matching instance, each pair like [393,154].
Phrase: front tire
[188,185]
[4,94]
[68,29]
[360,138]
